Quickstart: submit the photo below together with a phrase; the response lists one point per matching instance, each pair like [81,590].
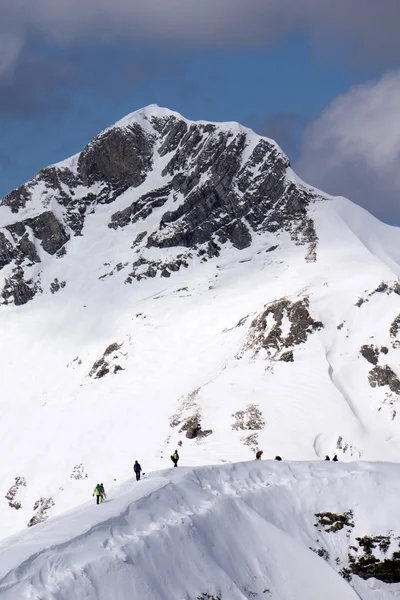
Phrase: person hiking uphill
[175,458]
[259,454]
[138,469]
[99,492]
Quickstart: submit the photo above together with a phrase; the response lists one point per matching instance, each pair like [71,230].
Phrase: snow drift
[234,532]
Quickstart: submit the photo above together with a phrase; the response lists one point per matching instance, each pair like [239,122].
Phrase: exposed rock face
[50,231]
[120,157]
[267,330]
[394,330]
[6,251]
[219,185]
[17,290]
[41,508]
[384,376]
[107,363]
[370,353]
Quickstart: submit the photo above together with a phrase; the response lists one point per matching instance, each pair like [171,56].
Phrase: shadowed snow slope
[235,532]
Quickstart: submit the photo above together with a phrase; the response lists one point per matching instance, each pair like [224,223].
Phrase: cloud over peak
[353,148]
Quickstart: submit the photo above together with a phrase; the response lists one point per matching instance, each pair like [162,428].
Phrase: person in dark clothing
[138,469]
[278,458]
[103,492]
[335,458]
[327,457]
[259,454]
[175,458]
[99,492]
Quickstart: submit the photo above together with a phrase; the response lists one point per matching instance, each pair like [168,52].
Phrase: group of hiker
[100,492]
[259,454]
[335,458]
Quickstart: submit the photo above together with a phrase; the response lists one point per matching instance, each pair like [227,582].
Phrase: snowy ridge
[233,532]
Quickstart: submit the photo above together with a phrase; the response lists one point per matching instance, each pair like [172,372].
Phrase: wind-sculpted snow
[237,532]
[244,531]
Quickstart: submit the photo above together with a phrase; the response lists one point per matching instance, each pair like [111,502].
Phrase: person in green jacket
[175,458]
[99,492]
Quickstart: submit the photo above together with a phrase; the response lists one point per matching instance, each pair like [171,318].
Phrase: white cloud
[353,148]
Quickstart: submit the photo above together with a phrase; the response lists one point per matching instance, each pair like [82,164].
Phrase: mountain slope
[176,283]
[234,532]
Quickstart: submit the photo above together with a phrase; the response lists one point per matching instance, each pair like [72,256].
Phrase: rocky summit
[210,185]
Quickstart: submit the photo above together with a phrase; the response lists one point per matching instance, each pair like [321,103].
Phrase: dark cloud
[353,148]
[366,29]
[39,83]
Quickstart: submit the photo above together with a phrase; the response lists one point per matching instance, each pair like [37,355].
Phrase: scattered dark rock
[192,426]
[102,366]
[368,565]
[331,522]
[370,353]
[321,552]
[56,285]
[382,287]
[79,472]
[384,376]
[139,238]
[111,348]
[287,356]
[262,336]
[13,491]
[395,326]
[41,508]
[250,419]
[104,370]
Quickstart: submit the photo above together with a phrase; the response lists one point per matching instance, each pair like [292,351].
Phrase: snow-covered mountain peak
[174,285]
[179,184]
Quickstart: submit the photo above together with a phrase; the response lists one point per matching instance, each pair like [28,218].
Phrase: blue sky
[58,90]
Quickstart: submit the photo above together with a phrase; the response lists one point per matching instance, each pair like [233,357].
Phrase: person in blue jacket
[138,469]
